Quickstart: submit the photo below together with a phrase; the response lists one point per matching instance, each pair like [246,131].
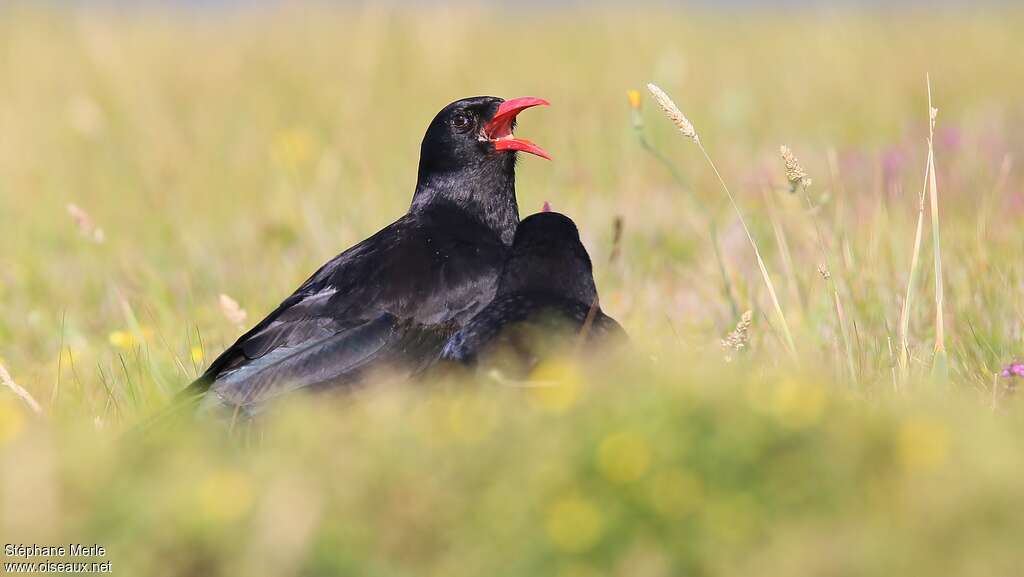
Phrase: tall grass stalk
[940,364]
[760,260]
[19,391]
[914,262]
[687,129]
[638,129]
[788,268]
[798,179]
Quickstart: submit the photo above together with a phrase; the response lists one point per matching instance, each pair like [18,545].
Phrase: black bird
[391,301]
[546,300]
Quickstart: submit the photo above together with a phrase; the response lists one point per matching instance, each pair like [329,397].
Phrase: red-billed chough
[546,301]
[391,301]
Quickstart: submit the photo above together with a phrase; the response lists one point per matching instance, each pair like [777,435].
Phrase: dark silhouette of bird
[546,301]
[393,300]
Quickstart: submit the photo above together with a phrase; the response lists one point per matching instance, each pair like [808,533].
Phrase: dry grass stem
[785,254]
[790,345]
[933,190]
[908,299]
[588,322]
[638,128]
[617,226]
[85,223]
[19,391]
[684,125]
[799,179]
[940,366]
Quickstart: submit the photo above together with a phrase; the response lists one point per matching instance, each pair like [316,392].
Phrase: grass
[151,162]
[688,131]
[940,370]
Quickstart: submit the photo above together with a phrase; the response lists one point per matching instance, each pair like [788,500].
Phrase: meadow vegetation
[167,177]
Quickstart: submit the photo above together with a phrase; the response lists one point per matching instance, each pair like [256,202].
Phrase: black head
[468,159]
[548,257]
[475,131]
[453,140]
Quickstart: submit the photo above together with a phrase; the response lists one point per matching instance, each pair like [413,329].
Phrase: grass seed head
[795,173]
[739,338]
[673,112]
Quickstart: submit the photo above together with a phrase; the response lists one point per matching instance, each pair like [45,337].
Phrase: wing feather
[394,298]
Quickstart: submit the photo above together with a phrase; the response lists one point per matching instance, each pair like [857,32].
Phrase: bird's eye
[460,122]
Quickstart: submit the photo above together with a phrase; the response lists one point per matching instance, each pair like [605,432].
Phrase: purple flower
[893,159]
[1013,369]
[950,138]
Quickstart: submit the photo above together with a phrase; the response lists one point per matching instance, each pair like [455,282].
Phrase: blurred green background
[152,160]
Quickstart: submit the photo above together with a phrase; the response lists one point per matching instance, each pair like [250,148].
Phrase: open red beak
[499,129]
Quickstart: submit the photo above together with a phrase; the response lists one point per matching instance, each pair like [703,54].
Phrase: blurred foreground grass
[235,152]
[638,472]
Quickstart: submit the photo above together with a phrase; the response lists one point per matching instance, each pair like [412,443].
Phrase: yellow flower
[122,339]
[574,524]
[127,340]
[923,444]
[225,495]
[12,421]
[624,456]
[634,99]
[196,352]
[558,385]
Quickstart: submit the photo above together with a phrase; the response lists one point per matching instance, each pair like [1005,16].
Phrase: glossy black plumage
[391,301]
[546,297]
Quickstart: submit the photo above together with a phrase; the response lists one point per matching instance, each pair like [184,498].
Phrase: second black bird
[546,301]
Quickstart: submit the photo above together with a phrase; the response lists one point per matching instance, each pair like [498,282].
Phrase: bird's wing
[391,299]
[333,360]
[306,316]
